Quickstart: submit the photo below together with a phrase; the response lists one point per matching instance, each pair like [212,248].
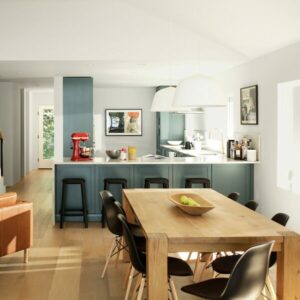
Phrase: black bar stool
[158,180]
[190,181]
[107,183]
[73,212]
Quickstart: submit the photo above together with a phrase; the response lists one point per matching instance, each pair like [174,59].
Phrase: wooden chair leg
[118,254]
[25,258]
[136,287]
[201,264]
[189,257]
[270,288]
[108,257]
[141,289]
[129,283]
[173,289]
[127,276]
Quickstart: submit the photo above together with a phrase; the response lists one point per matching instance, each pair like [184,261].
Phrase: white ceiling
[139,42]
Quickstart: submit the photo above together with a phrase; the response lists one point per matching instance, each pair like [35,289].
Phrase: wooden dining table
[230,226]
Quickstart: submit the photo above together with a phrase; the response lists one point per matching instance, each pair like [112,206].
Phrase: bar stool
[190,181]
[73,212]
[158,180]
[107,183]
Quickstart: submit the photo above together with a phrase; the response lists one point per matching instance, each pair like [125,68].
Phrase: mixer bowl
[113,154]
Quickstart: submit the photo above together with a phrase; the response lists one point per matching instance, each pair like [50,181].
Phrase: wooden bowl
[204,207]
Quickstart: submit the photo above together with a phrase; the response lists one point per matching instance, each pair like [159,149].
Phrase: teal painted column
[77,109]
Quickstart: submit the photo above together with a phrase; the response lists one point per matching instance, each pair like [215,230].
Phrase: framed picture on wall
[123,122]
[249,105]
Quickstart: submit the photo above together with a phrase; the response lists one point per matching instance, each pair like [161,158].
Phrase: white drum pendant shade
[163,100]
[199,91]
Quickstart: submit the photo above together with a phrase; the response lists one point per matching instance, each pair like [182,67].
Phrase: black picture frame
[249,105]
[123,122]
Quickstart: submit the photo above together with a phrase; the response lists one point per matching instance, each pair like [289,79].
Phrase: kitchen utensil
[204,207]
[174,143]
[113,154]
[188,145]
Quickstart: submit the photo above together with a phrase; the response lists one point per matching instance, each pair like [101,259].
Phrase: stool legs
[63,204]
[84,205]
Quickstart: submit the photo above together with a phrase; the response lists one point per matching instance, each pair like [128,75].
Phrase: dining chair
[176,266]
[246,281]
[252,205]
[225,264]
[234,196]
[115,227]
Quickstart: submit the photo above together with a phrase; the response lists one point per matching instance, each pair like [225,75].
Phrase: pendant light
[163,102]
[199,91]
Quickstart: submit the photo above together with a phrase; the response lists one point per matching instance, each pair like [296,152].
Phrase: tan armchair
[15,225]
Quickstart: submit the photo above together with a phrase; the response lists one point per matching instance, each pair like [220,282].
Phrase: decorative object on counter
[113,154]
[123,155]
[230,145]
[123,122]
[188,145]
[132,153]
[251,155]
[249,105]
[174,143]
[172,154]
[80,153]
[201,207]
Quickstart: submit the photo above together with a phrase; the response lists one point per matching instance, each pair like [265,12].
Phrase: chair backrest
[132,248]
[252,205]
[120,208]
[111,211]
[234,196]
[249,274]
[281,219]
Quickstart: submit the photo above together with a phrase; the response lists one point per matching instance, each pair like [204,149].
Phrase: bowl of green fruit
[191,203]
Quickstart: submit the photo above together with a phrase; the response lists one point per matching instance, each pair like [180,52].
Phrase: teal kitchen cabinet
[234,178]
[77,110]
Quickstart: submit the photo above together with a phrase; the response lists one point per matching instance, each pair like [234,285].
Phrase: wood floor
[63,263]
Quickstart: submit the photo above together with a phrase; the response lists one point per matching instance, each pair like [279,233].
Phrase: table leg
[157,273]
[288,269]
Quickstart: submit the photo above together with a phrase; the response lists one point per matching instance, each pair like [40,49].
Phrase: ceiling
[139,42]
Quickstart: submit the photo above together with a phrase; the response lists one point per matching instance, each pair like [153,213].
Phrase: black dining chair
[115,227]
[234,196]
[252,205]
[246,281]
[176,266]
[225,264]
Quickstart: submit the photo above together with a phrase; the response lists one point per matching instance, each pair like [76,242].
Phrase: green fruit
[188,201]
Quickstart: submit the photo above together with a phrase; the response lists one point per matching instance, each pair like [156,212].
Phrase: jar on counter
[132,153]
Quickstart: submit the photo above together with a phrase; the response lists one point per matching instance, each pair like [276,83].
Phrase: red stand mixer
[80,153]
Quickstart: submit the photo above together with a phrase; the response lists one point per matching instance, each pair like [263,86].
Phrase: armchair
[16,225]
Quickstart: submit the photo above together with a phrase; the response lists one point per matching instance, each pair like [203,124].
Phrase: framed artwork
[249,105]
[122,122]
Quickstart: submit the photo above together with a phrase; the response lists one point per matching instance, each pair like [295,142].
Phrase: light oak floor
[63,263]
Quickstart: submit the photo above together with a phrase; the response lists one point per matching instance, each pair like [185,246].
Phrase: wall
[37,97]
[106,98]
[267,72]
[10,115]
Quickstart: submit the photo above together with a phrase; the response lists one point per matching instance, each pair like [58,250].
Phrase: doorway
[46,136]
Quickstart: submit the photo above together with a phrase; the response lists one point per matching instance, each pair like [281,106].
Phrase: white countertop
[204,159]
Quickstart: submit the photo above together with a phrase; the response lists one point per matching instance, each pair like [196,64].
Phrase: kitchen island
[225,175]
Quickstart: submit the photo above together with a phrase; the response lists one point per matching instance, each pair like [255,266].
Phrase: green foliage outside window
[48,134]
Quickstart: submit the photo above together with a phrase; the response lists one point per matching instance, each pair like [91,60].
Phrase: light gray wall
[124,98]
[10,116]
[267,72]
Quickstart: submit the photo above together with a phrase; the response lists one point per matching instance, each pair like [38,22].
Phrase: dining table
[229,226]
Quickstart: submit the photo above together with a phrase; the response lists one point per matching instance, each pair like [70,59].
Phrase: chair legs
[115,249]
[25,259]
[202,262]
[270,288]
[141,289]
[130,279]
[173,289]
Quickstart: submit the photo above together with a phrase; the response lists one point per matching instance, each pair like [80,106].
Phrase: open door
[46,136]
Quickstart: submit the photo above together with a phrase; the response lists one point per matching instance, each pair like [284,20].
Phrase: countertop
[204,159]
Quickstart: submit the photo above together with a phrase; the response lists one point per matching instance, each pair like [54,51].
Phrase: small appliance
[80,153]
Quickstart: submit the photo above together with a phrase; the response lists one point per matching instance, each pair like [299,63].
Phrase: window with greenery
[48,134]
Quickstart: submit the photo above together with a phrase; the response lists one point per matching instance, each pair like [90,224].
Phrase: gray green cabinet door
[234,178]
[181,172]
[77,109]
